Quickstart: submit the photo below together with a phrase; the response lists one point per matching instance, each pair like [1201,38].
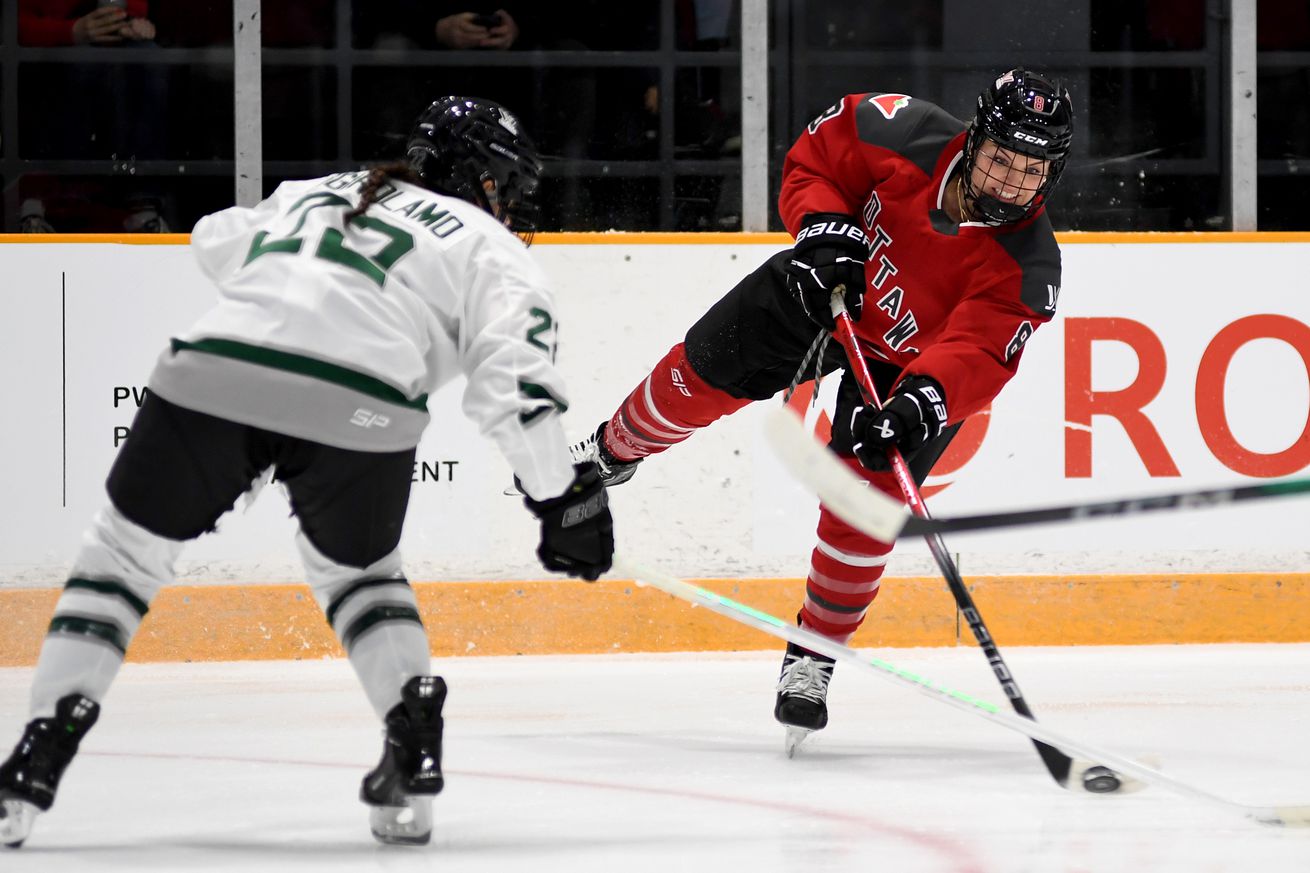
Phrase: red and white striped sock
[846,569]
[668,406]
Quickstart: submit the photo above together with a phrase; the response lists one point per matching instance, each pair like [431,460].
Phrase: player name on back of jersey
[430,213]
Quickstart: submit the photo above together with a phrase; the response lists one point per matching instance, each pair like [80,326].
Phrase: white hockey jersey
[337,332]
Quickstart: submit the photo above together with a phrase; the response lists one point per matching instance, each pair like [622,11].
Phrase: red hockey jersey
[50,22]
[952,301]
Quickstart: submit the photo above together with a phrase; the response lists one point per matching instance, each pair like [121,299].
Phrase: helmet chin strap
[487,198]
[965,201]
[997,210]
[984,207]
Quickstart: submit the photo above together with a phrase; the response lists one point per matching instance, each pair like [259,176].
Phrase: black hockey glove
[914,416]
[577,532]
[830,251]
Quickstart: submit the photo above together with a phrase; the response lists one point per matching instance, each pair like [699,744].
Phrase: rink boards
[1175,361]
[263,622]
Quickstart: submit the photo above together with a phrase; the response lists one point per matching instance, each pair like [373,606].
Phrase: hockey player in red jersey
[938,232]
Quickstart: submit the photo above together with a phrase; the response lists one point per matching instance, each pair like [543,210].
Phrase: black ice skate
[802,704]
[30,778]
[400,788]
[592,448]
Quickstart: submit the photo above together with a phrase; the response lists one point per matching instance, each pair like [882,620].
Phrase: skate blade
[795,736]
[408,825]
[16,817]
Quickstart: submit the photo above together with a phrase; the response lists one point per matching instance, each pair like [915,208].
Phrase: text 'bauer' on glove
[577,531]
[914,416]
[831,250]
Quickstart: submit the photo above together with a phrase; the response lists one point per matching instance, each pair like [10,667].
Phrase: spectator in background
[559,102]
[563,101]
[103,103]
[83,22]
[54,203]
[477,30]
[32,218]
[416,24]
[702,126]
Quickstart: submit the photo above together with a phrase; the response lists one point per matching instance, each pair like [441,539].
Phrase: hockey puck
[1100,780]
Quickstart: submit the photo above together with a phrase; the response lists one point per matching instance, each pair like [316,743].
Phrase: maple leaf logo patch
[890,104]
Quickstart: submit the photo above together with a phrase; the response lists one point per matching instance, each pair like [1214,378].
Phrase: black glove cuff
[931,398]
[585,498]
[833,229]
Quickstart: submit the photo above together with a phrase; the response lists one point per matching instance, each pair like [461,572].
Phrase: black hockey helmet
[1026,113]
[459,143]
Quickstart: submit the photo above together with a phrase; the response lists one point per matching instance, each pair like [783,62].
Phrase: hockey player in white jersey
[343,303]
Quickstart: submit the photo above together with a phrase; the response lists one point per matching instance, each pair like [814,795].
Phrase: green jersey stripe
[305,366]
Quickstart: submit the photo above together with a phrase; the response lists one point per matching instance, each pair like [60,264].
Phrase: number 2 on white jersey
[332,244]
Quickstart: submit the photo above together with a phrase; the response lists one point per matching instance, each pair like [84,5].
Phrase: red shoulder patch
[890,104]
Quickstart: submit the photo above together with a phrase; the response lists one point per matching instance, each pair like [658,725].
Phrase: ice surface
[673,763]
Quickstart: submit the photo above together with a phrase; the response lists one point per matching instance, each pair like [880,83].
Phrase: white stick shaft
[860,506]
[739,612]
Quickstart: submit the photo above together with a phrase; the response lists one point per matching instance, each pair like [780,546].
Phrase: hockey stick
[1058,764]
[883,518]
[1084,771]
